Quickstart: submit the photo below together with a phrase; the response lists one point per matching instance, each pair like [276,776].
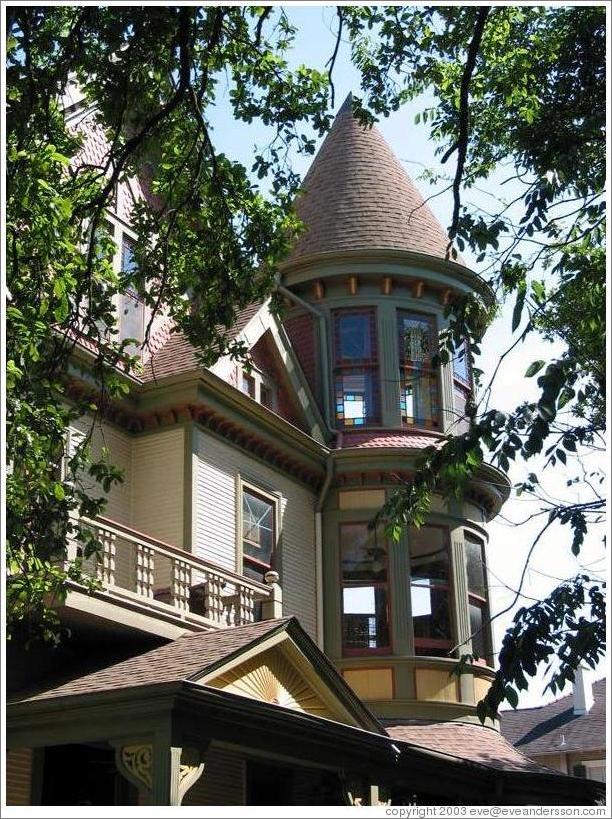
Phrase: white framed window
[258,517]
[259,386]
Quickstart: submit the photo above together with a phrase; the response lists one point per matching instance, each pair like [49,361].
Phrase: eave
[305,268]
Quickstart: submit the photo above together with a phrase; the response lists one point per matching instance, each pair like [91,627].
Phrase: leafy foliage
[153,75]
[536,79]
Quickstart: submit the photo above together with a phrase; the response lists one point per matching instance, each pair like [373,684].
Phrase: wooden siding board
[158,485]
[218,465]
[222,782]
[19,776]
[119,446]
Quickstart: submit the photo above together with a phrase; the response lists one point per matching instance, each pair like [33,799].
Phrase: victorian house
[253,641]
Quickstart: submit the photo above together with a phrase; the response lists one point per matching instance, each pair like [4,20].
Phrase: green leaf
[534,368]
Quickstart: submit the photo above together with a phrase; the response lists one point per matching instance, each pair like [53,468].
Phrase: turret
[367,285]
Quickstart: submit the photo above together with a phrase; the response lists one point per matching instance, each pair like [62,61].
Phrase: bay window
[419,390]
[365,603]
[356,382]
[430,590]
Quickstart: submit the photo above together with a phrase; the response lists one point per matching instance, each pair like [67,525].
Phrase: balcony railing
[135,567]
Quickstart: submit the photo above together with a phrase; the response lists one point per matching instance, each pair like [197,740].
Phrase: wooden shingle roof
[357,196]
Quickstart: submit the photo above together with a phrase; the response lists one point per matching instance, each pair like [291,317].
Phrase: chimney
[583,692]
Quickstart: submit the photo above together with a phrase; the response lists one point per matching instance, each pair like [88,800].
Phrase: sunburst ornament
[272,678]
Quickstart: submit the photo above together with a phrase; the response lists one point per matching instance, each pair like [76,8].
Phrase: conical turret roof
[357,196]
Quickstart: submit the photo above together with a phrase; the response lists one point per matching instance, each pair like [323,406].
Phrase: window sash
[356,396]
[419,397]
[258,531]
[369,352]
[368,631]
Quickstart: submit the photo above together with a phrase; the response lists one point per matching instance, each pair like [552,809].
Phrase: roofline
[391,759]
[390,254]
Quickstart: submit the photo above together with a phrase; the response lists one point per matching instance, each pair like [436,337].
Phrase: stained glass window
[419,390]
[356,367]
[462,387]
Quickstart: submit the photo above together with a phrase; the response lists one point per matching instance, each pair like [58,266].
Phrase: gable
[276,671]
[272,678]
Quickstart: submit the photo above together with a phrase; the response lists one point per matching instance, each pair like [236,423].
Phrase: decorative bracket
[135,763]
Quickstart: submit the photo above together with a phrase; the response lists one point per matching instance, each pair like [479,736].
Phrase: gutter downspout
[329,474]
[329,465]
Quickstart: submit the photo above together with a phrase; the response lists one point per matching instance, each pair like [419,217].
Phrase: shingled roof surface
[178,355]
[357,196]
[178,660]
[472,742]
[541,730]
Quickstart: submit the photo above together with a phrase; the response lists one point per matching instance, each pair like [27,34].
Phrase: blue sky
[552,560]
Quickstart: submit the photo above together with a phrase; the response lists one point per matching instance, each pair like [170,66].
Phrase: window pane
[248,385]
[354,337]
[363,557]
[364,617]
[128,262]
[131,319]
[419,402]
[355,399]
[478,630]
[257,527]
[429,555]
[461,424]
[417,342]
[430,612]
[461,364]
[476,572]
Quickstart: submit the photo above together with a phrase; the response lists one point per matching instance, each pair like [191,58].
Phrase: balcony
[158,588]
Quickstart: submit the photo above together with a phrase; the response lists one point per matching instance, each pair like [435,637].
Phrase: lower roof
[474,743]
